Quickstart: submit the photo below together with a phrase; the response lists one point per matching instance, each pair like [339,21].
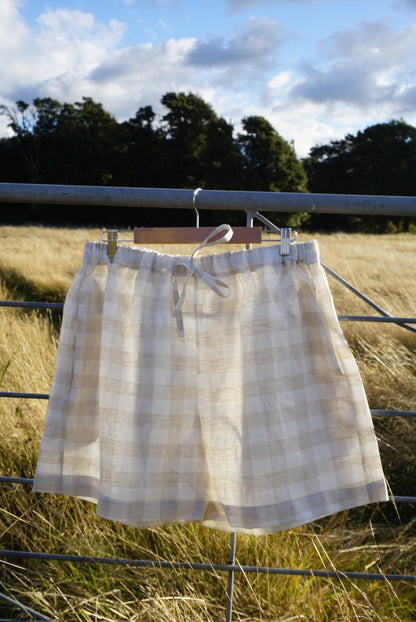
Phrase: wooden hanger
[195,235]
[192,235]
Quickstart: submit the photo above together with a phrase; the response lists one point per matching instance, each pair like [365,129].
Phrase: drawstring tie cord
[217,286]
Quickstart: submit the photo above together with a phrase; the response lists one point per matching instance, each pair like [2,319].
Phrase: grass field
[39,264]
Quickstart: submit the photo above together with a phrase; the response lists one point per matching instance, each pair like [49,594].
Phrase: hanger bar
[208,199]
[192,235]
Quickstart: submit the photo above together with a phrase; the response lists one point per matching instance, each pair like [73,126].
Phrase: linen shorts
[243,411]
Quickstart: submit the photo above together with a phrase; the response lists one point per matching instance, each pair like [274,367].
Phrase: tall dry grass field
[39,264]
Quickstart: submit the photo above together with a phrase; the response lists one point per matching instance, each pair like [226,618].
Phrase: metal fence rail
[108,196]
[158,565]
[251,203]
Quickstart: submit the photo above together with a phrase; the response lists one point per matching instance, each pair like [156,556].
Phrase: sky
[315,69]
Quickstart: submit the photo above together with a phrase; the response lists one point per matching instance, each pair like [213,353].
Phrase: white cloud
[255,42]
[14,34]
[364,66]
[69,54]
[362,76]
[140,75]
[372,40]
[62,48]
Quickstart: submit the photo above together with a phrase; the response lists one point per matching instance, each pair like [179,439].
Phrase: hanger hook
[194,206]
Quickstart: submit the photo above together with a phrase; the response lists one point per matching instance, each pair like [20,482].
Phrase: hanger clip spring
[112,242]
[285,238]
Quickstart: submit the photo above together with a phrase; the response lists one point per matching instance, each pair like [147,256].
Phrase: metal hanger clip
[285,240]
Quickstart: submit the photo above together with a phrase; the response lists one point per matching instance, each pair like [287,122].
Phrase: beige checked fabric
[244,411]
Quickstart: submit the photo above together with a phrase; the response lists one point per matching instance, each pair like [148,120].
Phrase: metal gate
[253,204]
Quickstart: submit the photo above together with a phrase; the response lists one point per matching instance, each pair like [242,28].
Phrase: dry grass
[40,263]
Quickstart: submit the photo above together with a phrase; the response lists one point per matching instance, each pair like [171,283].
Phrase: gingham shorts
[243,410]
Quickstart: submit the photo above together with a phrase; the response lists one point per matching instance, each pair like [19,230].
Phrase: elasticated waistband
[223,263]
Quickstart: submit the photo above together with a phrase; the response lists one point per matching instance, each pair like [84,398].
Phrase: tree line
[190,147]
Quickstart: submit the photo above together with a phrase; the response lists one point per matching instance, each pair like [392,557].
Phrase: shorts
[218,389]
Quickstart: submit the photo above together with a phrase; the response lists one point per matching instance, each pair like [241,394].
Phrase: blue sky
[316,69]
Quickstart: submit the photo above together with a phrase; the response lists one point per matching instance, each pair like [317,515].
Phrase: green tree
[271,165]
[185,129]
[380,160]
[270,162]
[139,145]
[64,143]
[221,159]
[83,143]
[22,120]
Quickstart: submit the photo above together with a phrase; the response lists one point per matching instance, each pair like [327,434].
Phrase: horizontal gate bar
[208,199]
[393,413]
[26,396]
[146,563]
[54,306]
[376,318]
[16,480]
